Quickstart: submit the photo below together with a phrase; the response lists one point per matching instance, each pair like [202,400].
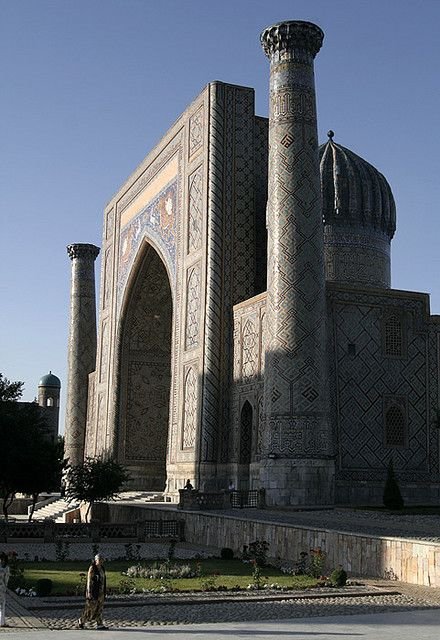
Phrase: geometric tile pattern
[195,210]
[82,346]
[260,173]
[230,252]
[359,217]
[296,400]
[249,322]
[393,336]
[158,221]
[107,278]
[90,438]
[249,359]
[369,384]
[145,367]
[193,307]
[104,351]
[211,255]
[211,401]
[357,256]
[109,223]
[246,433]
[190,409]
[196,123]
[381,405]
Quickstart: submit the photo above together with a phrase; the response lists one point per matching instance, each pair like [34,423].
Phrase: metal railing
[50,531]
[198,500]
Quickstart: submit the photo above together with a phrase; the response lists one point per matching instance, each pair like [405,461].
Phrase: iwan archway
[145,374]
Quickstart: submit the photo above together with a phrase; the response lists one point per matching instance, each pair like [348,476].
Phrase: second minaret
[296,466]
[82,346]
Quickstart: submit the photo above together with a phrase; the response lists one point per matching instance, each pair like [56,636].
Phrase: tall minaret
[82,346]
[297,467]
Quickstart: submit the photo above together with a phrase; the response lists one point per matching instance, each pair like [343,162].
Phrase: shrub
[209,582]
[338,577]
[161,571]
[127,586]
[258,552]
[43,587]
[392,498]
[132,553]
[226,553]
[256,575]
[317,562]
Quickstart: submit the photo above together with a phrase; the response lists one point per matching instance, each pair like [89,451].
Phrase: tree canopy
[94,480]
[30,463]
[10,391]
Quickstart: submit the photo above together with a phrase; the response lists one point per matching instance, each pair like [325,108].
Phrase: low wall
[412,561]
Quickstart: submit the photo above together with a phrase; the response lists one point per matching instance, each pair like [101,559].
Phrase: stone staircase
[140,496]
[56,509]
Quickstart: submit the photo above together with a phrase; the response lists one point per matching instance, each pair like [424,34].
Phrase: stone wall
[371,371]
[413,561]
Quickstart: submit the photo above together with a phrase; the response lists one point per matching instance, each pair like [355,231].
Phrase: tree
[30,462]
[21,430]
[10,391]
[392,498]
[45,469]
[94,480]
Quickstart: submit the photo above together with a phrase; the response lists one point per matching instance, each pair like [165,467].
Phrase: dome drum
[354,255]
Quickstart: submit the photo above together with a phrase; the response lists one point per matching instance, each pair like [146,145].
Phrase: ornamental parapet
[82,251]
[293,40]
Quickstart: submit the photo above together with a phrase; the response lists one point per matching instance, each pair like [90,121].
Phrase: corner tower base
[293,482]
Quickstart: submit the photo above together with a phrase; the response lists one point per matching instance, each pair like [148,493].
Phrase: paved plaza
[407,625]
[376,610]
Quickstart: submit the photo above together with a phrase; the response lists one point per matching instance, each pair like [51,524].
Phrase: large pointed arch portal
[145,375]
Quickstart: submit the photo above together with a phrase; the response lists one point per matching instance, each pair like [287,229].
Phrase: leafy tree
[45,469]
[10,391]
[30,463]
[20,428]
[392,498]
[94,480]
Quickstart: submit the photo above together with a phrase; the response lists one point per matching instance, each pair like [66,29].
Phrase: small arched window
[394,427]
[49,402]
[393,336]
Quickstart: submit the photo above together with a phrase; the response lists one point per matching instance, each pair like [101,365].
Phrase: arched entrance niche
[145,375]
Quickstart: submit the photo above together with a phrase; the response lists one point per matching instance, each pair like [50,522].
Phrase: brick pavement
[22,614]
[378,597]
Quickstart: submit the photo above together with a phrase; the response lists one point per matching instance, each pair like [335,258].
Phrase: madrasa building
[248,331]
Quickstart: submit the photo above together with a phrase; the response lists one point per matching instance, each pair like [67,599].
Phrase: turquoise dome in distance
[49,380]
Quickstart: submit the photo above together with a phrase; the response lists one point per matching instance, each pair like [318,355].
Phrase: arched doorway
[146,373]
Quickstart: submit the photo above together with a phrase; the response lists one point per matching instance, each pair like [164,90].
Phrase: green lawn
[228,573]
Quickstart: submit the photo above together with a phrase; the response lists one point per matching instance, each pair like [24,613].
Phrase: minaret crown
[294,40]
[81,250]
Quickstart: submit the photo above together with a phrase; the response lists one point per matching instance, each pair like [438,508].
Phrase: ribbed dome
[49,380]
[354,193]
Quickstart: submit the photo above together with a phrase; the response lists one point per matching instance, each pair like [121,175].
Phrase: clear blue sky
[89,86]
